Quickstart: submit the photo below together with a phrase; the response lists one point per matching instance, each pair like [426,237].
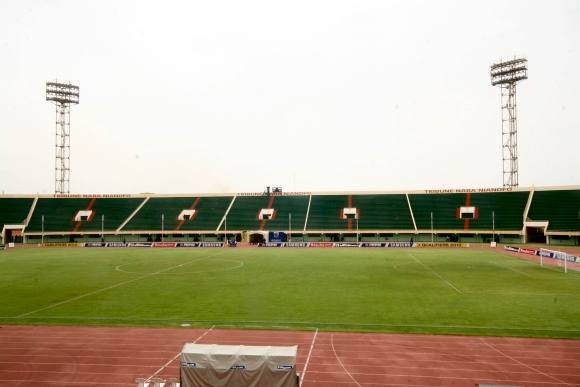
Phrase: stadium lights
[507,74]
[62,95]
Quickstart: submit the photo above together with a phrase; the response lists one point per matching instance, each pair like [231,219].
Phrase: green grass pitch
[452,291]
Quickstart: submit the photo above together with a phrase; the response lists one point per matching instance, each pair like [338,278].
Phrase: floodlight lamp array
[63,93]
[509,72]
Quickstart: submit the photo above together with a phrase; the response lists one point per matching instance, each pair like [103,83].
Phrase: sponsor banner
[400,244]
[117,244]
[510,248]
[164,244]
[320,244]
[440,245]
[211,244]
[188,364]
[139,244]
[373,244]
[545,254]
[94,244]
[271,244]
[276,236]
[569,258]
[345,244]
[62,244]
[297,244]
[2,247]
[187,244]
[528,251]
[285,367]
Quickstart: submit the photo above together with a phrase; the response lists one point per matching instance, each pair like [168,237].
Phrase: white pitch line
[443,279]
[521,272]
[308,358]
[114,286]
[169,362]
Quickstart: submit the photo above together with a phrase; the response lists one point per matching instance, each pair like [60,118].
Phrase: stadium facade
[508,215]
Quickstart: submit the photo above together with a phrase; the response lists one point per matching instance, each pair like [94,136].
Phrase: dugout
[210,365]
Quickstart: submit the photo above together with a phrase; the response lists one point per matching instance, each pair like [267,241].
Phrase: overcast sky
[216,96]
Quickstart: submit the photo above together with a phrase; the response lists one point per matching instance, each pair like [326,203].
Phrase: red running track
[115,356]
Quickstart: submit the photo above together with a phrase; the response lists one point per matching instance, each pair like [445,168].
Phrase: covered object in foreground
[204,365]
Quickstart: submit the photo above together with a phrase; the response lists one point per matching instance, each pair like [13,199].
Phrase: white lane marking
[308,358]
[337,358]
[525,365]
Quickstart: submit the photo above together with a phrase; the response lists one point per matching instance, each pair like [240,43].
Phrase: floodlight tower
[62,95]
[507,74]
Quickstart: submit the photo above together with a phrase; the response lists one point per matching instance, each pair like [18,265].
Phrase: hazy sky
[216,96]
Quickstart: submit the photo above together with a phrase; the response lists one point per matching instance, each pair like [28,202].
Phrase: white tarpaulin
[204,365]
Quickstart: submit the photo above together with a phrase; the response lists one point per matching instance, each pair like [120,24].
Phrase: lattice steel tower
[507,74]
[62,95]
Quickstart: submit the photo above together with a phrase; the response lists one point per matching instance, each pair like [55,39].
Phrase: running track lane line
[335,355]
[114,286]
[169,362]
[308,358]
[525,365]
[443,279]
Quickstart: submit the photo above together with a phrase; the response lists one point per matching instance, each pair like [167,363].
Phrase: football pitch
[411,290]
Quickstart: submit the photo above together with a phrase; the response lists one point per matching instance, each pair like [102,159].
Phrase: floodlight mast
[506,74]
[62,95]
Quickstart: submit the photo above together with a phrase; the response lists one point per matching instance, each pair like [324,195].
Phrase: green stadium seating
[444,208]
[325,213]
[285,205]
[243,214]
[383,212]
[508,208]
[58,214]
[211,212]
[14,210]
[116,211]
[378,212]
[560,208]
[148,218]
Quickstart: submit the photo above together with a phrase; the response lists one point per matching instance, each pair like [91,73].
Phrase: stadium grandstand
[548,215]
